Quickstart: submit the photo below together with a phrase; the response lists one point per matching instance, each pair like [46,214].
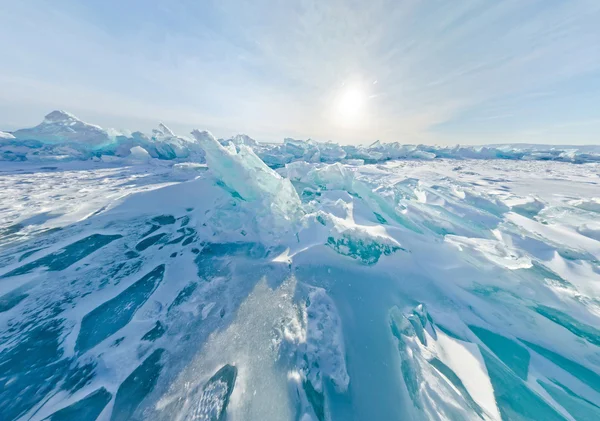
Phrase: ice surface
[167,278]
[114,314]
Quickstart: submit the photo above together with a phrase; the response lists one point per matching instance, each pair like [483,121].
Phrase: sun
[350,106]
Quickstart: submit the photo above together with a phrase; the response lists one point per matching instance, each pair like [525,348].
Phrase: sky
[412,71]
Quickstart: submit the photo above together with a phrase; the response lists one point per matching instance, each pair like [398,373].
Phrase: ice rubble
[410,289]
[62,136]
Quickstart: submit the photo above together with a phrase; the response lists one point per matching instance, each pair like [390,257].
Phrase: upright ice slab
[276,200]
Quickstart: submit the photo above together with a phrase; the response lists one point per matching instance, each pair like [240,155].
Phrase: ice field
[187,278]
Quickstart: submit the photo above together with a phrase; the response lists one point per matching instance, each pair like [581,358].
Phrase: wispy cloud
[445,71]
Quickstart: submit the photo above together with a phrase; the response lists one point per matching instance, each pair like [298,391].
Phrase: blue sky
[428,71]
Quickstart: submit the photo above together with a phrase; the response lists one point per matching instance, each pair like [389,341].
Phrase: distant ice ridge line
[62,136]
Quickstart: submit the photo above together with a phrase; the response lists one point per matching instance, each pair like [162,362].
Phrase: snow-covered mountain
[62,136]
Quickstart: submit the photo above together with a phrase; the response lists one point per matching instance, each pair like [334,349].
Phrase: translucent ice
[253,181]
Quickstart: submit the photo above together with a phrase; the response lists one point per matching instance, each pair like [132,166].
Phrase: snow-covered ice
[165,277]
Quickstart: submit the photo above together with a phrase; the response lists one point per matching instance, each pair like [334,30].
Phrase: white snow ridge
[165,277]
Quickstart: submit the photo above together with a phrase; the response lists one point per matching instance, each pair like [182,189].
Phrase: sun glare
[350,106]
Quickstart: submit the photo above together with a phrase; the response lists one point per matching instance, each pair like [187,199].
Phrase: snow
[495,251]
[5,136]
[466,361]
[324,342]
[139,154]
[446,377]
[163,277]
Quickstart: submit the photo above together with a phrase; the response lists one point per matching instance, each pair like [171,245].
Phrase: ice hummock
[63,137]
[166,145]
[62,127]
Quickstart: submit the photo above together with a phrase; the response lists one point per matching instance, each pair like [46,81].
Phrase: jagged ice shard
[164,277]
